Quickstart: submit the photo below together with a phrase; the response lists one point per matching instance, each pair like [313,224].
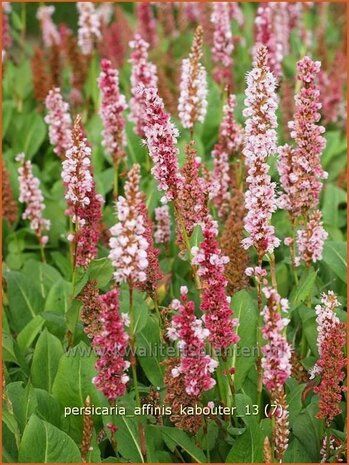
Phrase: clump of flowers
[192,105]
[162,232]
[30,194]
[50,34]
[143,76]
[59,122]
[230,132]
[223,44]
[195,365]
[113,105]
[281,417]
[112,344]
[90,311]
[128,244]
[214,301]
[89,27]
[6,35]
[9,205]
[260,143]
[161,139]
[276,352]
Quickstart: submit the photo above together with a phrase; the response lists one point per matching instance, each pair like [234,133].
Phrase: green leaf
[304,289]
[246,311]
[175,437]
[23,400]
[25,301]
[334,256]
[29,333]
[294,398]
[100,270]
[47,353]
[58,299]
[307,429]
[127,437]
[32,134]
[44,443]
[147,349]
[48,408]
[296,452]
[333,197]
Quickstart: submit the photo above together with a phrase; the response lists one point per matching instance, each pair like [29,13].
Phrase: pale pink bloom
[113,106]
[214,301]
[161,139]
[30,194]
[230,132]
[50,34]
[104,12]
[89,27]
[260,143]
[277,351]
[162,233]
[6,30]
[59,121]
[223,45]
[326,320]
[311,239]
[190,334]
[300,169]
[265,35]
[111,345]
[128,244]
[147,23]
[221,180]
[76,175]
[143,76]
[236,13]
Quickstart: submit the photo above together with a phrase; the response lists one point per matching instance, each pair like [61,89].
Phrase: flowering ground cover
[174,224]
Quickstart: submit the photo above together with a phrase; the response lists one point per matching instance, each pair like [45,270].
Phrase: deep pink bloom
[223,44]
[88,234]
[161,139]
[276,352]
[260,143]
[196,366]
[59,121]
[326,320]
[332,364]
[6,31]
[222,37]
[265,35]
[111,344]
[113,105]
[162,232]
[89,27]
[147,23]
[214,301]
[128,244]
[50,34]
[230,132]
[143,76]
[311,239]
[30,194]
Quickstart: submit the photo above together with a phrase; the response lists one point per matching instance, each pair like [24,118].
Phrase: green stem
[116,181]
[42,252]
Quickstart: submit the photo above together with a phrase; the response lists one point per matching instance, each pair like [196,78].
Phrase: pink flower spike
[162,233]
[30,194]
[59,121]
[276,352]
[260,143]
[188,331]
[89,27]
[143,76]
[113,105]
[147,23]
[223,44]
[128,244]
[311,239]
[50,34]
[161,139]
[214,301]
[111,344]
